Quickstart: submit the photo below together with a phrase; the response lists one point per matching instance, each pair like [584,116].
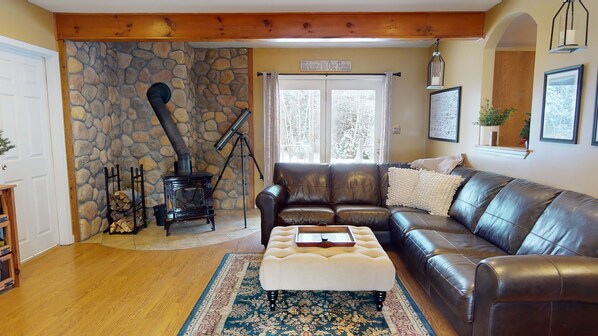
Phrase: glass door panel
[300,126]
[353,126]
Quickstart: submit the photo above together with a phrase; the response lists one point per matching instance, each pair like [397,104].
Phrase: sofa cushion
[307,183]
[434,192]
[512,213]
[394,209]
[374,217]
[452,278]
[568,226]
[466,174]
[355,183]
[306,215]
[421,245]
[383,177]
[475,196]
[407,221]
[401,183]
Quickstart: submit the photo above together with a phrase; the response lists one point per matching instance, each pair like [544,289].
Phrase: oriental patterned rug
[235,304]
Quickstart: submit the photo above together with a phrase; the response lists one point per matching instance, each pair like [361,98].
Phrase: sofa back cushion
[307,183]
[355,183]
[568,226]
[512,213]
[475,196]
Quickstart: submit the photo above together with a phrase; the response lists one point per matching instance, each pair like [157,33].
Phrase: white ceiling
[262,6]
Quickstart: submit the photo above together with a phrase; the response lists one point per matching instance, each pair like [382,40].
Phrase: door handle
[4,167]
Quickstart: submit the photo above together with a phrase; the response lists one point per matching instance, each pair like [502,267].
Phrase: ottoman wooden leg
[379,297]
[272,296]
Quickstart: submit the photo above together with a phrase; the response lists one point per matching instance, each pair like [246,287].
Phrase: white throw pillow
[401,182]
[434,192]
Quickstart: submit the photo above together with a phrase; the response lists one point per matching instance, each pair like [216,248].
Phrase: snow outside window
[330,118]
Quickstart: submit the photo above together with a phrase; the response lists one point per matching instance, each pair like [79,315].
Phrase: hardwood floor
[90,289]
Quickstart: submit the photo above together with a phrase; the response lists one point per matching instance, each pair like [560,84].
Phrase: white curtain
[271,122]
[384,156]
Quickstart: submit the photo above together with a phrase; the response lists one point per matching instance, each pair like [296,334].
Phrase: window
[330,118]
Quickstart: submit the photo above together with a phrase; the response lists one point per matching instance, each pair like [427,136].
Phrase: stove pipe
[158,95]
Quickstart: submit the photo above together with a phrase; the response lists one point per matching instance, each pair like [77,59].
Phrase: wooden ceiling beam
[252,26]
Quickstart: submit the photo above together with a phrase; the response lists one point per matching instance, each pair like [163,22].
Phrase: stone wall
[112,122]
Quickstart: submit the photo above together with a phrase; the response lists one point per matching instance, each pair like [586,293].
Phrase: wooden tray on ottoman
[324,236]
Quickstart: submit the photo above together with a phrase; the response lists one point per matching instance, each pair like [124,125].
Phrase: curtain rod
[398,74]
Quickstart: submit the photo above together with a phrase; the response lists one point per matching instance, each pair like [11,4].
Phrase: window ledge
[512,152]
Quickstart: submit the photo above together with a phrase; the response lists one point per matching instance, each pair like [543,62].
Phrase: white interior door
[24,118]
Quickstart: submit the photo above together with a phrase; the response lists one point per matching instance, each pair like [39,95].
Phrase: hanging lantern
[571,26]
[436,70]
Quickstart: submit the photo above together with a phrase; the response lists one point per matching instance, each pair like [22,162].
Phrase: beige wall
[25,22]
[568,166]
[409,95]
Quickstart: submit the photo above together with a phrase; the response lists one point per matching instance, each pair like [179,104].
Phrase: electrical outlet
[396,129]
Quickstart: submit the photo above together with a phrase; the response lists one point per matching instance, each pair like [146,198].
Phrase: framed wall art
[445,108]
[595,132]
[560,109]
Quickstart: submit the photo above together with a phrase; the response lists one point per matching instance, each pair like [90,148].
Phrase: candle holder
[571,23]
[436,70]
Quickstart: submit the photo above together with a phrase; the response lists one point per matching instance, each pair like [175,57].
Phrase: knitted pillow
[434,192]
[401,182]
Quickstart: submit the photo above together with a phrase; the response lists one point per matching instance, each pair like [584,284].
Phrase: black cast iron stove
[188,195]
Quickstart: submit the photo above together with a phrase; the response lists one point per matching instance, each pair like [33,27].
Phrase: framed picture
[445,107]
[560,111]
[595,133]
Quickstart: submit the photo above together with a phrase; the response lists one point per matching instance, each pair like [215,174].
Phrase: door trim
[58,145]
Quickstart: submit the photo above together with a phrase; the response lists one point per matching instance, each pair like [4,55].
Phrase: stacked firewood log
[122,219]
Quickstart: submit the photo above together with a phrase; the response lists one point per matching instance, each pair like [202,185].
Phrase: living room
[78,288]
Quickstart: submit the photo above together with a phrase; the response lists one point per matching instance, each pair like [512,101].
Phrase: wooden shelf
[512,152]
[9,252]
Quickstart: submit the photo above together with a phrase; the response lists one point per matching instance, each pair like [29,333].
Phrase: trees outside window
[330,119]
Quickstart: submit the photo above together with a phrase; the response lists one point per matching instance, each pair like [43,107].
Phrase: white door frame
[58,145]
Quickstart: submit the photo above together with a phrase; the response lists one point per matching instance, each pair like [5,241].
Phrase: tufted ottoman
[362,267]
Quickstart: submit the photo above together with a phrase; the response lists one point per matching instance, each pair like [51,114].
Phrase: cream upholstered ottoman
[362,267]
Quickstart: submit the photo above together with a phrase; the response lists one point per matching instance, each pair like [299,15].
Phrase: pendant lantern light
[436,70]
[570,28]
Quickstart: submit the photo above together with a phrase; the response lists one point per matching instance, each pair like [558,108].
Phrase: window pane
[300,126]
[353,125]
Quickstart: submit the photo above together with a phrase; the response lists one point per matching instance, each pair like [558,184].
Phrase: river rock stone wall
[112,122]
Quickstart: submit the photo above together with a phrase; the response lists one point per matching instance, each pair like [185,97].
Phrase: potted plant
[5,144]
[524,134]
[490,120]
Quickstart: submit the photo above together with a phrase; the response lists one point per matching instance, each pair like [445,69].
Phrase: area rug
[235,304]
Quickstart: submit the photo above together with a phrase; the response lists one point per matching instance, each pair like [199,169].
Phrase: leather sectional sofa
[513,258]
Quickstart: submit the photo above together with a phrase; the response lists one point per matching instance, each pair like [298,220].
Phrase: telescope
[234,128]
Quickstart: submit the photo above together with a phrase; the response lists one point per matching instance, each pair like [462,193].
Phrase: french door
[330,118]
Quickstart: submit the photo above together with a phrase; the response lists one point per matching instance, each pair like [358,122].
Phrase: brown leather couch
[513,258]
[312,194]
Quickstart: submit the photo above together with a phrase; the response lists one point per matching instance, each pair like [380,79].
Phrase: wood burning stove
[188,197]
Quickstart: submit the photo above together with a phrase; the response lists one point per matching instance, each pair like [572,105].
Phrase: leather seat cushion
[407,221]
[374,217]
[306,215]
[397,208]
[452,278]
[421,245]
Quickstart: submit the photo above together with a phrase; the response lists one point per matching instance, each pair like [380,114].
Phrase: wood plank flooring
[90,289]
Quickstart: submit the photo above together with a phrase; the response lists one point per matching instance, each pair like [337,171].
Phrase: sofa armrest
[529,290]
[270,201]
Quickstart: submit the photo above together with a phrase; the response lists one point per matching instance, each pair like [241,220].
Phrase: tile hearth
[183,235]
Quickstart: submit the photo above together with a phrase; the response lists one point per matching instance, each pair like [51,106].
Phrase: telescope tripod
[241,139]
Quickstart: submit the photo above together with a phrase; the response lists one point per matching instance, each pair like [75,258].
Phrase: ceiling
[262,6]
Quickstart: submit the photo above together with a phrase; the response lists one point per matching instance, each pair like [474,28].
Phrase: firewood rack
[113,184]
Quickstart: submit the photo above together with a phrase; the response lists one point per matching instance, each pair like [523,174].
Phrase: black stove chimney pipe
[158,95]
